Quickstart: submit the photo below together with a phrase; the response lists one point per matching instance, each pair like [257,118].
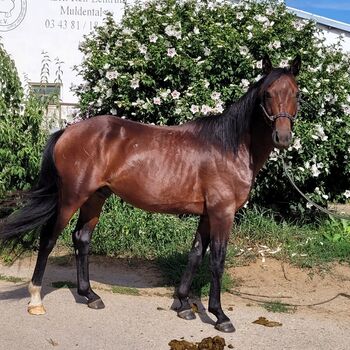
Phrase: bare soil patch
[325,292]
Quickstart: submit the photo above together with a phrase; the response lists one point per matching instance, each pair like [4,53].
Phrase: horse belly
[162,195]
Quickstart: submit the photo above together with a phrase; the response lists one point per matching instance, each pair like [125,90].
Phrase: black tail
[40,203]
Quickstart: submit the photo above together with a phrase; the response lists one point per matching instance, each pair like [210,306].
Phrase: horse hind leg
[88,218]
[48,237]
[198,250]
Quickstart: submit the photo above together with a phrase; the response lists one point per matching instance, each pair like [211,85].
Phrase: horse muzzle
[281,138]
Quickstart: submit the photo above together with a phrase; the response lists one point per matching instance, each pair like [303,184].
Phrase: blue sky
[335,9]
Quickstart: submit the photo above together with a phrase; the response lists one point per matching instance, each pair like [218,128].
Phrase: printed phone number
[70,24]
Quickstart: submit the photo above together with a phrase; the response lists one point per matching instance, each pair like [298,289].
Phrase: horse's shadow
[131,273]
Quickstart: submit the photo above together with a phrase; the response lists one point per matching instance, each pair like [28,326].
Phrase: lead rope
[324,210]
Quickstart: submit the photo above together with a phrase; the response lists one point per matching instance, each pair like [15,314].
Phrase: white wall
[333,35]
[34,26]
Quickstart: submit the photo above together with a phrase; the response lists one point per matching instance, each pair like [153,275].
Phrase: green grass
[125,290]
[128,232]
[277,306]
[12,279]
[173,266]
[324,241]
[132,233]
[64,284]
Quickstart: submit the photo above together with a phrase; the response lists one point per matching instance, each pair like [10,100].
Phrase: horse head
[279,100]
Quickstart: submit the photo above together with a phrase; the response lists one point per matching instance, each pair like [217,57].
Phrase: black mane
[227,129]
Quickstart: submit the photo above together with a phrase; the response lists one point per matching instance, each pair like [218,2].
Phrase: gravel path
[147,322]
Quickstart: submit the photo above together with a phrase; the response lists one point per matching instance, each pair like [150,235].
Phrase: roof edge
[321,20]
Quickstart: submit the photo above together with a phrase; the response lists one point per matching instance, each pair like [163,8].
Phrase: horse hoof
[36,309]
[186,314]
[226,327]
[96,304]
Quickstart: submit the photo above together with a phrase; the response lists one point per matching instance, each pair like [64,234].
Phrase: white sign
[30,27]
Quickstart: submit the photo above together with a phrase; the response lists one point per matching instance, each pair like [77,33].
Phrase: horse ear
[295,66]
[266,65]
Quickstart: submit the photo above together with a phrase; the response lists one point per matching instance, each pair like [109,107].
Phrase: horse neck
[260,142]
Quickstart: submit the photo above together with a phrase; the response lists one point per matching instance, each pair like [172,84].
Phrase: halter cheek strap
[273,118]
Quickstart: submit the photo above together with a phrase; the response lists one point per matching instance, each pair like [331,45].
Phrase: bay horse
[205,167]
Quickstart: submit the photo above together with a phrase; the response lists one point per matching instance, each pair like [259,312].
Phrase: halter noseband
[272,118]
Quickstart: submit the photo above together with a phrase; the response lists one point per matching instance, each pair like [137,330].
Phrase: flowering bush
[171,61]
[21,136]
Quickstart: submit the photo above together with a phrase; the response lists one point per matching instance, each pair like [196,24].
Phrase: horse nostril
[275,137]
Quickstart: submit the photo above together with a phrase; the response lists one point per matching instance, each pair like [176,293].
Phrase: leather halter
[272,118]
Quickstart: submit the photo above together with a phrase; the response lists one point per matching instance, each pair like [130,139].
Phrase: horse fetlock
[36,310]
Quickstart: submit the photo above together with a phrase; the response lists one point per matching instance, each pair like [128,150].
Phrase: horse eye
[267,94]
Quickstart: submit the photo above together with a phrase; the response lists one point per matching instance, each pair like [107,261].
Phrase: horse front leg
[195,257]
[219,235]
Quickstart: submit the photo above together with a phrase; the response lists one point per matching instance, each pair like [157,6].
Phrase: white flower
[165,93]
[112,75]
[106,66]
[109,93]
[113,111]
[309,205]
[258,64]
[325,196]
[346,109]
[127,31]
[215,95]
[297,144]
[347,194]
[239,15]
[298,25]
[194,109]
[276,44]
[206,83]
[219,108]
[245,83]
[319,133]
[153,38]
[314,170]
[195,30]
[157,100]
[143,49]
[273,156]
[261,19]
[206,51]
[135,83]
[284,63]
[269,11]
[249,36]
[243,50]
[118,43]
[205,109]
[172,31]
[175,94]
[171,52]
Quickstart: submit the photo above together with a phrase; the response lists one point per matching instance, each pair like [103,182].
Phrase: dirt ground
[320,321]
